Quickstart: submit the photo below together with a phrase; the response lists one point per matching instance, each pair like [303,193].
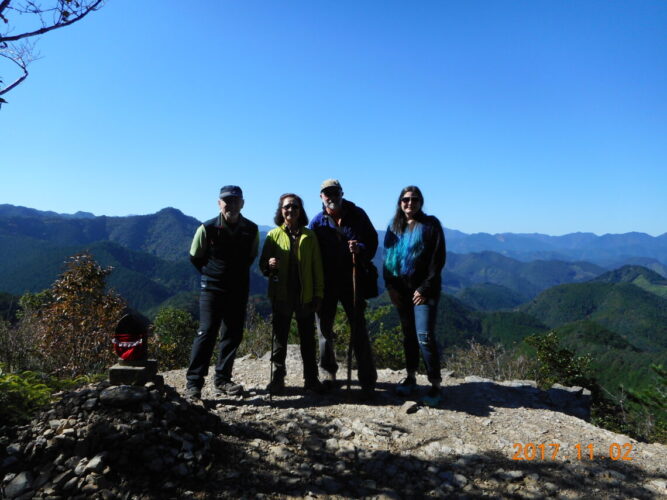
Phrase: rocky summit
[487,440]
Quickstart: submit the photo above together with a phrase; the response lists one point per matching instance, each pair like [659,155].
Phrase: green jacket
[277,244]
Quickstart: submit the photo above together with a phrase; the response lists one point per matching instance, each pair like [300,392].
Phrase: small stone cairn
[130,434]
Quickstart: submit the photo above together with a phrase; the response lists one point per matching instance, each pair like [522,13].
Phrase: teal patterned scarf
[400,258]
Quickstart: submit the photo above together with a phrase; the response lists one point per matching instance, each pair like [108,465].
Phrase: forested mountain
[526,279]
[166,234]
[639,276]
[639,316]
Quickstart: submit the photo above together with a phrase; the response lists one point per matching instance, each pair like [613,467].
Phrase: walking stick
[353,323]
[273,277]
[271,366]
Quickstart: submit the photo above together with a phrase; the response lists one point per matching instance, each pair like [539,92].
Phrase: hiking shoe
[329,382]
[193,393]
[367,394]
[315,386]
[433,397]
[276,386]
[228,389]
[406,386]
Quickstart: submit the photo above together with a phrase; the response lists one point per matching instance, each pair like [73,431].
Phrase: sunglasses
[332,192]
[291,206]
[408,199]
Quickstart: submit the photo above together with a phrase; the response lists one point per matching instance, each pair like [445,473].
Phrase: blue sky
[512,116]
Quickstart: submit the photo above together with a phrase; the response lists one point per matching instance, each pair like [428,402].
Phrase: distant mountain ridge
[150,256]
[606,250]
[602,250]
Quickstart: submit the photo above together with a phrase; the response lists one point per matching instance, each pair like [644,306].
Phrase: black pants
[305,320]
[218,311]
[360,342]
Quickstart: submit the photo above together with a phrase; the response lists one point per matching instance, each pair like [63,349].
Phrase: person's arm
[255,247]
[318,270]
[367,237]
[198,248]
[436,261]
[267,253]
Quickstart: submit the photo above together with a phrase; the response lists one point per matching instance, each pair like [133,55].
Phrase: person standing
[222,250]
[344,230]
[291,259]
[414,257]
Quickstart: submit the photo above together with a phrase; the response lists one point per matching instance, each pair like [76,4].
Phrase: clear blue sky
[512,116]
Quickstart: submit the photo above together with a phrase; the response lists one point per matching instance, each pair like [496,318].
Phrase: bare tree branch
[60,23]
[21,64]
[37,18]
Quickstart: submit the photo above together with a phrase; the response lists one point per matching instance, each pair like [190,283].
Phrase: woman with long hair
[414,257]
[292,261]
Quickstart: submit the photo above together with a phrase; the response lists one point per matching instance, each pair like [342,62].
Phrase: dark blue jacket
[333,240]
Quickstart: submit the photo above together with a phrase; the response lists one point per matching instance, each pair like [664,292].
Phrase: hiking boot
[433,397]
[315,386]
[406,386]
[329,382]
[276,386]
[228,389]
[367,395]
[193,393]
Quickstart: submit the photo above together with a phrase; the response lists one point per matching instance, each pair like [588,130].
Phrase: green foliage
[387,342]
[257,333]
[490,297]
[526,279]
[651,405]
[23,393]
[558,365]
[638,315]
[173,331]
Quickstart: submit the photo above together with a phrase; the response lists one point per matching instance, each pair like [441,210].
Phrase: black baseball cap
[226,191]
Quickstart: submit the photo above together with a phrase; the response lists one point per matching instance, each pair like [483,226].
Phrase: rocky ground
[487,440]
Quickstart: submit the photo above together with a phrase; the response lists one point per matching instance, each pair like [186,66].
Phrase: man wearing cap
[222,251]
[343,229]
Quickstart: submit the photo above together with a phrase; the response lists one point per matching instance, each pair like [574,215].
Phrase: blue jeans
[418,325]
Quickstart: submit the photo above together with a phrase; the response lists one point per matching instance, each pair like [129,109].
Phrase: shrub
[490,361]
[74,326]
[173,330]
[23,393]
[257,333]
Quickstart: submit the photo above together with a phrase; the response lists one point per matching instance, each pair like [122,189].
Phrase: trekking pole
[271,367]
[353,323]
[273,276]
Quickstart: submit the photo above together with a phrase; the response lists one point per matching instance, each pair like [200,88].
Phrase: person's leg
[233,320]
[305,319]
[425,316]
[282,318]
[405,309]
[361,343]
[325,320]
[210,317]
[406,314]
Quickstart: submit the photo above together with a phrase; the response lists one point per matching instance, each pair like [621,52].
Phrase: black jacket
[428,264]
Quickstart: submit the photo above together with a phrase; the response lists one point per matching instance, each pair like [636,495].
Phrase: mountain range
[149,256]
[604,295]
